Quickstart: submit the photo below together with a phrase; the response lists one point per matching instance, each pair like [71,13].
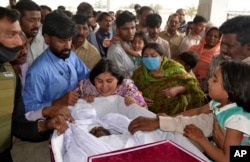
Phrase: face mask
[151,63]
[8,54]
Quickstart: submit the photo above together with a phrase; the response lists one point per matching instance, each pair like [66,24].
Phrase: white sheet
[84,144]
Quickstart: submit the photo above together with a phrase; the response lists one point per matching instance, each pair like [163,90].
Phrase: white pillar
[108,5]
[214,11]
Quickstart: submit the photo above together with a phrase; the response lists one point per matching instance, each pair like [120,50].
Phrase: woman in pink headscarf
[209,46]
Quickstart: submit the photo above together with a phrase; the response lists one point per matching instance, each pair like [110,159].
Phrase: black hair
[153,45]
[11,14]
[102,15]
[189,58]
[45,7]
[137,6]
[23,6]
[111,12]
[144,8]
[68,13]
[80,19]
[61,8]
[153,20]
[236,81]
[12,3]
[125,17]
[59,25]
[85,9]
[239,25]
[141,35]
[106,65]
[95,13]
[172,15]
[180,9]
[199,19]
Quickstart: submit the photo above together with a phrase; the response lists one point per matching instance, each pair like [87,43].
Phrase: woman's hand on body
[89,98]
[129,100]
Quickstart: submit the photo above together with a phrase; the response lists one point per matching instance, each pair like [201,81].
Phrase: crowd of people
[50,59]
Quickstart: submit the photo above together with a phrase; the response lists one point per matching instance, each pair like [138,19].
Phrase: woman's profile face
[106,84]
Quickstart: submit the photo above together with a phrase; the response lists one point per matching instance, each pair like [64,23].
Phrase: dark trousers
[5,156]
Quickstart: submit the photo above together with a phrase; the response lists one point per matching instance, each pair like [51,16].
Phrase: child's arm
[196,111]
[218,134]
[233,138]
[124,45]
[178,123]
[173,124]
[129,51]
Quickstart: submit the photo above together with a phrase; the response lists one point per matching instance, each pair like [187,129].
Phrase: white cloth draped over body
[111,113]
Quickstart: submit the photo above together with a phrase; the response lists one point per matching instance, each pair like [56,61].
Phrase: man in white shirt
[199,25]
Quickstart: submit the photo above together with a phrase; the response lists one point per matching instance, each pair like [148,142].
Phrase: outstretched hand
[143,124]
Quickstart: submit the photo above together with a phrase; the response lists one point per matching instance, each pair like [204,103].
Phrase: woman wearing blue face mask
[166,86]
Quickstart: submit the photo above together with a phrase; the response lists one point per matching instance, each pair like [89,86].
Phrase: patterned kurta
[174,75]
[126,88]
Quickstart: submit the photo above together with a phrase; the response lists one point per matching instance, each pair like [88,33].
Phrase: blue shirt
[100,36]
[50,77]
[92,39]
